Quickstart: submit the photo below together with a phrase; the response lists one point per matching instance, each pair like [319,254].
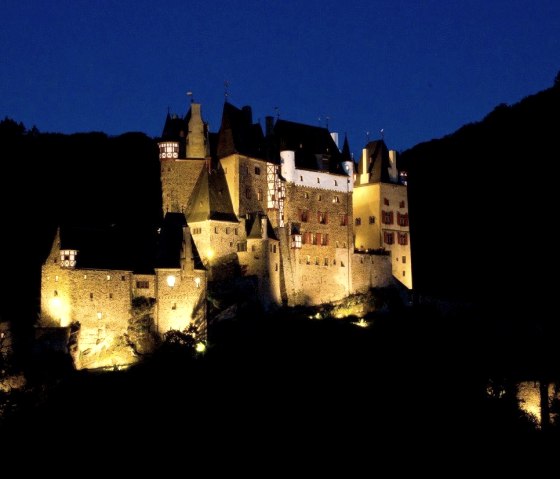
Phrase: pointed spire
[346,155]
[196,139]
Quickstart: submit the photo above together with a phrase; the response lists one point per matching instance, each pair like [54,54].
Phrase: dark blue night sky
[416,69]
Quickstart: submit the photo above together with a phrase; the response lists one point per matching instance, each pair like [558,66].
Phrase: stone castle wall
[178,178]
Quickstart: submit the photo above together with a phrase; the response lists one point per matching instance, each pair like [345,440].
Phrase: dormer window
[68,258]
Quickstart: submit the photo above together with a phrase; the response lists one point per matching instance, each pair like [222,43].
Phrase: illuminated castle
[283,206]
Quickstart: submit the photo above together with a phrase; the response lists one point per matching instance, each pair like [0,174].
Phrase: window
[372,220]
[324,239]
[306,195]
[404,259]
[322,217]
[387,217]
[273,248]
[386,201]
[215,230]
[335,183]
[174,306]
[108,277]
[85,276]
[316,260]
[296,241]
[312,238]
[301,178]
[236,231]
[401,204]
[55,292]
[257,170]
[303,216]
[388,237]
[319,197]
[326,262]
[342,264]
[403,239]
[404,273]
[402,220]
[142,284]
[228,230]
[343,220]
[358,221]
[110,295]
[242,246]
[275,266]
[318,180]
[259,195]
[123,278]
[56,278]
[336,199]
[308,259]
[248,193]
[90,295]
[253,248]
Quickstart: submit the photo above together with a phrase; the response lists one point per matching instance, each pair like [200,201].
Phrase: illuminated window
[259,195]
[306,195]
[108,277]
[336,199]
[387,217]
[388,237]
[312,238]
[358,221]
[322,217]
[99,315]
[56,278]
[296,241]
[371,220]
[386,201]
[197,282]
[316,260]
[171,280]
[308,259]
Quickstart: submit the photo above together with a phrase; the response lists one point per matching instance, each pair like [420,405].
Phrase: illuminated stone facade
[284,207]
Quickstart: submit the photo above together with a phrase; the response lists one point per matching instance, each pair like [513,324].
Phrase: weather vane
[190,93]
[382,131]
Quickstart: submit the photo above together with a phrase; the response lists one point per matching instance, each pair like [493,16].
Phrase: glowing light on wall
[197,282]
[210,253]
[200,347]
[171,280]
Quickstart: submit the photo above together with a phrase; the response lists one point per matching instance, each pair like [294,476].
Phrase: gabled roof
[210,199]
[378,162]
[254,228]
[110,247]
[175,128]
[314,146]
[238,133]
[170,243]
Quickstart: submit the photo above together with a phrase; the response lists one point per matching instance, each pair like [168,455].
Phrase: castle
[285,207]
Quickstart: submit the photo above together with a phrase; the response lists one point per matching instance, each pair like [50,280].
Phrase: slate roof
[378,162]
[210,199]
[253,227]
[314,146]
[238,133]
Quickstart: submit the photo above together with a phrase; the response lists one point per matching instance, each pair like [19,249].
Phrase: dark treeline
[481,205]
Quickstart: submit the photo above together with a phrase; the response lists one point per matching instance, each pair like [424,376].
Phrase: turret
[196,139]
